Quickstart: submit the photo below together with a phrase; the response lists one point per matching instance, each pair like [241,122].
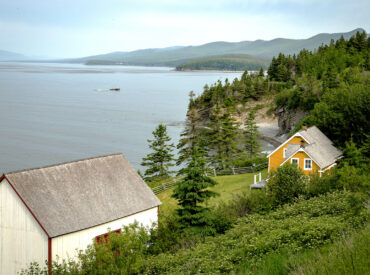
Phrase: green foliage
[222,139]
[245,161]
[343,114]
[286,184]
[191,192]
[159,161]
[348,255]
[338,65]
[251,135]
[242,204]
[304,225]
[319,185]
[249,86]
[167,236]
[345,177]
[123,253]
[192,135]
[231,62]
[352,155]
[281,68]
[351,178]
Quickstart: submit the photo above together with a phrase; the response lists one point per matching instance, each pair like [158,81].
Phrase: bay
[53,113]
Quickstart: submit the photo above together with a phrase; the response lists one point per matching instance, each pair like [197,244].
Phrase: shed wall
[22,240]
[65,246]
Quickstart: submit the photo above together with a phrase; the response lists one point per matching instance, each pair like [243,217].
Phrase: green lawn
[227,186]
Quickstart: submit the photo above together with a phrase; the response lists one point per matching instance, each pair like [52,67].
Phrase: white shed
[55,210]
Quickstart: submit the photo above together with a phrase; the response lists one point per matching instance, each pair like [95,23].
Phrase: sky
[76,28]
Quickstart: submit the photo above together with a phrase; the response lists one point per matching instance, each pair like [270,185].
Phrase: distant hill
[230,62]
[11,56]
[175,56]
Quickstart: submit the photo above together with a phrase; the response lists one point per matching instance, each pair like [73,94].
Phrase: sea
[52,113]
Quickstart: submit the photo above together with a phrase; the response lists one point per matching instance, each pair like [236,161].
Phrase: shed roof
[77,195]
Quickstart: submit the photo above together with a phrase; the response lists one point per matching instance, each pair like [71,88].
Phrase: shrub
[319,185]
[306,224]
[351,178]
[286,184]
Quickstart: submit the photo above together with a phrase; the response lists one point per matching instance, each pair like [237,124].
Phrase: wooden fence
[212,173]
[164,186]
[236,171]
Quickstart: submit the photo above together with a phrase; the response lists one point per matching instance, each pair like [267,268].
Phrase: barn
[54,210]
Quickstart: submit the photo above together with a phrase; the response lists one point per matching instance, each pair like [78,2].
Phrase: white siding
[22,240]
[65,246]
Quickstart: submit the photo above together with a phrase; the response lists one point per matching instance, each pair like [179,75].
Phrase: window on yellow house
[307,164]
[295,161]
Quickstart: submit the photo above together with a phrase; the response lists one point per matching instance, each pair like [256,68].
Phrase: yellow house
[310,149]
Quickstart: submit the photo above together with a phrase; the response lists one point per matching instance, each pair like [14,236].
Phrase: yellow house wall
[277,158]
[301,156]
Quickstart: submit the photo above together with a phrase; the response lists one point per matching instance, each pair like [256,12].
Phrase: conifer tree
[223,138]
[190,137]
[251,134]
[192,191]
[261,72]
[159,161]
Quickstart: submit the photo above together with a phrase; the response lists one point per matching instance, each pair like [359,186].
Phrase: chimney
[304,127]
[302,143]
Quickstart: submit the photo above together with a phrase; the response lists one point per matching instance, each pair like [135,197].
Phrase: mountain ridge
[177,55]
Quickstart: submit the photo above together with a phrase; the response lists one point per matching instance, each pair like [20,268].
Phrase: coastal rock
[288,119]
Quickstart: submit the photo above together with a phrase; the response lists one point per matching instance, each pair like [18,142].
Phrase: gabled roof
[314,135]
[292,149]
[319,147]
[77,195]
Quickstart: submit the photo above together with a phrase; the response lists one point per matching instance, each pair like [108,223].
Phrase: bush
[351,178]
[319,185]
[226,214]
[306,224]
[286,184]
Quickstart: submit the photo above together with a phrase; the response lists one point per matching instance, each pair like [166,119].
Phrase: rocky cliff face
[288,119]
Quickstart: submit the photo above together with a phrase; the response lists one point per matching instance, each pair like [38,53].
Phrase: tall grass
[348,255]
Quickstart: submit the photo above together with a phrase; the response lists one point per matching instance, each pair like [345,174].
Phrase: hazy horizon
[68,29]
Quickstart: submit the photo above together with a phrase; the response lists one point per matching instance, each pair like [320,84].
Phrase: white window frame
[284,152]
[304,164]
[291,161]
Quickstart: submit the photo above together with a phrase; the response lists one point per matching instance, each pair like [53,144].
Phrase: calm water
[52,113]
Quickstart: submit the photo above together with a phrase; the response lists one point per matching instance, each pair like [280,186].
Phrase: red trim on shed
[104,237]
[49,239]
[50,257]
[24,203]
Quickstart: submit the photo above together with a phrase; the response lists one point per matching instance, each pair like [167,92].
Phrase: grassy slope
[307,224]
[348,255]
[226,187]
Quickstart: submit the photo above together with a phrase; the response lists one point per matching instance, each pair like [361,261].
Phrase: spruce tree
[251,135]
[189,137]
[261,72]
[159,161]
[192,191]
[223,139]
